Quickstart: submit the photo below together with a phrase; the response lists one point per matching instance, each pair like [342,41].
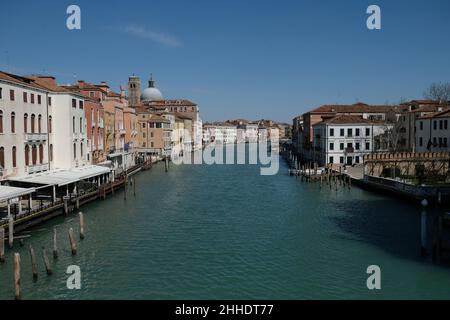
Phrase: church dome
[151,93]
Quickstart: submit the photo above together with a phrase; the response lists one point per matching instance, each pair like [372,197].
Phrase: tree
[438,91]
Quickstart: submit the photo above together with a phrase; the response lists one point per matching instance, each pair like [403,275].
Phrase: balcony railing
[37,168]
[35,137]
[349,150]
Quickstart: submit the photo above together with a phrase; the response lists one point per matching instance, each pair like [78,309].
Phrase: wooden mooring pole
[33,264]
[423,233]
[166,164]
[46,262]
[2,245]
[17,276]
[73,244]
[11,231]
[81,225]
[134,186]
[55,244]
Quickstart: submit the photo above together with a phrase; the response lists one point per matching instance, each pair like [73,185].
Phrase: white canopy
[7,193]
[62,177]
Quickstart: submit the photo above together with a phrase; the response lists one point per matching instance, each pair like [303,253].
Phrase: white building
[433,132]
[24,137]
[251,132]
[346,139]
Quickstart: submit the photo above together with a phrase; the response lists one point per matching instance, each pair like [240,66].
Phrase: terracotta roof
[441,114]
[354,108]
[171,103]
[182,116]
[349,119]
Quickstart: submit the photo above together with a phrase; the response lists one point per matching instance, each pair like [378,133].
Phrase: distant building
[433,132]
[345,139]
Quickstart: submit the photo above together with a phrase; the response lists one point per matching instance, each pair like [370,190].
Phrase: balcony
[35,137]
[37,168]
[349,150]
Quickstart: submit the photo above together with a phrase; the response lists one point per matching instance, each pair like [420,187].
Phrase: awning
[62,177]
[7,193]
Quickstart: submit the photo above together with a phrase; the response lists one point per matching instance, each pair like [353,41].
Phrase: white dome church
[151,93]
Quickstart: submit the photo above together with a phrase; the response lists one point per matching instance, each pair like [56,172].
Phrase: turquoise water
[226,232]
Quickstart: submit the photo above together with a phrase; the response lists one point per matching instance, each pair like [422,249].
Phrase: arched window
[51,152]
[27,155]
[81,149]
[2,157]
[50,124]
[73,124]
[13,122]
[1,121]
[33,118]
[41,154]
[25,123]
[34,154]
[81,125]
[74,150]
[39,123]
[14,157]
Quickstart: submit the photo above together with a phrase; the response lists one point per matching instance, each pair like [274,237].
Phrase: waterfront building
[406,124]
[94,113]
[303,125]
[154,133]
[25,123]
[153,100]
[433,132]
[345,139]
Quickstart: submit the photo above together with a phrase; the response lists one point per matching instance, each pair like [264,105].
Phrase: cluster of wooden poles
[327,177]
[34,268]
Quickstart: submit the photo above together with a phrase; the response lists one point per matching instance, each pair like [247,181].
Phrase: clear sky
[237,58]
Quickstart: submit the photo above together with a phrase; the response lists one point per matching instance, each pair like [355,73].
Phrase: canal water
[226,232]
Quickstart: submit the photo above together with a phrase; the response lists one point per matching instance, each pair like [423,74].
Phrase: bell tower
[134,91]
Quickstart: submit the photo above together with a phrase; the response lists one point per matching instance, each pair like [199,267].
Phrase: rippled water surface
[225,232]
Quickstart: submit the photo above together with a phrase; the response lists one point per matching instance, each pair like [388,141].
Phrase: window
[421,125]
[81,149]
[357,147]
[27,155]
[331,146]
[50,124]
[341,146]
[341,160]
[74,103]
[39,123]
[143,134]
[440,142]
[151,134]
[350,132]
[32,97]
[73,124]
[1,121]
[13,122]
[14,157]
[80,103]
[49,101]
[41,154]
[342,132]
[420,142]
[34,155]
[1,94]
[357,132]
[357,159]
[25,123]
[331,160]
[151,144]
[349,145]
[81,125]
[445,124]
[11,95]
[445,143]
[39,99]
[25,97]
[51,152]
[74,151]
[2,157]
[367,132]
[367,145]
[331,132]
[32,122]
[434,125]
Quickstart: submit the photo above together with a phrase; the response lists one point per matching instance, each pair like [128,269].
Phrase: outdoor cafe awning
[62,177]
[7,193]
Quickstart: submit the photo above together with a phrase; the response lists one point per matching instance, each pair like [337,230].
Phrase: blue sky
[237,58]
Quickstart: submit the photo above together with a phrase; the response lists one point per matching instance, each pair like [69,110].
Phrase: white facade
[251,132]
[68,137]
[433,133]
[24,134]
[347,144]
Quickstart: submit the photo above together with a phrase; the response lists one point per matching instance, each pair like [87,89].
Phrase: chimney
[122,91]
[81,83]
